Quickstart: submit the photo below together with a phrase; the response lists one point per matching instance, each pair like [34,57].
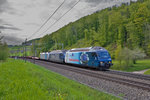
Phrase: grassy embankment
[147,72]
[26,81]
[140,65]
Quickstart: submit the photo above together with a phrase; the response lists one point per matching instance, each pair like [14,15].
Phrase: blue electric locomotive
[96,57]
[44,56]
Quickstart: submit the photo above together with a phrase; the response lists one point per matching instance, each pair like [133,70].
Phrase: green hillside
[124,31]
[125,26]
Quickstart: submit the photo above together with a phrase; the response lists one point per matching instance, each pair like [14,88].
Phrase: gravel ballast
[123,91]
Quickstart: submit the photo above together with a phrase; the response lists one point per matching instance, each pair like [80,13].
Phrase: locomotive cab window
[94,54]
[61,56]
[103,54]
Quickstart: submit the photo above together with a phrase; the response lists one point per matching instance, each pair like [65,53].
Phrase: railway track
[104,76]
[129,74]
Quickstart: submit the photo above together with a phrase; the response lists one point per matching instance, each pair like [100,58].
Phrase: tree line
[119,29]
[127,25]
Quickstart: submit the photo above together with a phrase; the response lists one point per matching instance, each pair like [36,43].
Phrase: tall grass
[26,81]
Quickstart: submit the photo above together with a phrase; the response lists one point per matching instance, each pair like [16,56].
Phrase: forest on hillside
[115,28]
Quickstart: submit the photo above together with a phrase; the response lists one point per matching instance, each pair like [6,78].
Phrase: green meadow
[26,81]
[140,65]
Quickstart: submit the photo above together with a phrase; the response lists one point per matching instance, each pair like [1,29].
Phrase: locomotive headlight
[101,62]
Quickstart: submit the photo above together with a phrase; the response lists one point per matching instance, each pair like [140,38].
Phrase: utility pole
[34,51]
[25,50]
[17,50]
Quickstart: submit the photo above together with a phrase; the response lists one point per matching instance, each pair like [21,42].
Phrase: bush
[137,54]
[126,57]
[4,52]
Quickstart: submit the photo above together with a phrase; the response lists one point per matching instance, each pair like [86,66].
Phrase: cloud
[70,3]
[12,40]
[32,24]
[106,3]
[47,2]
[8,24]
[96,1]
[3,5]
[1,21]
[9,27]
[21,18]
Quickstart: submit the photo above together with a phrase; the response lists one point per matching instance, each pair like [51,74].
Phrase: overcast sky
[21,18]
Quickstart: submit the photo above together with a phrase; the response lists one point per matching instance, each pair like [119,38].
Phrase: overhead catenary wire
[46,20]
[61,17]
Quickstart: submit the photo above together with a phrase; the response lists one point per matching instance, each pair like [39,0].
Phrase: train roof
[88,49]
[44,52]
[58,51]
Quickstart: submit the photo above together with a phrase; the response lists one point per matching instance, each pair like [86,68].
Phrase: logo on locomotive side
[84,58]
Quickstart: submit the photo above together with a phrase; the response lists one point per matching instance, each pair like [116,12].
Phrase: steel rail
[131,83]
[129,74]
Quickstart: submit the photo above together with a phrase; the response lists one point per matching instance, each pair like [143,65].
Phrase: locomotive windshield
[103,54]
